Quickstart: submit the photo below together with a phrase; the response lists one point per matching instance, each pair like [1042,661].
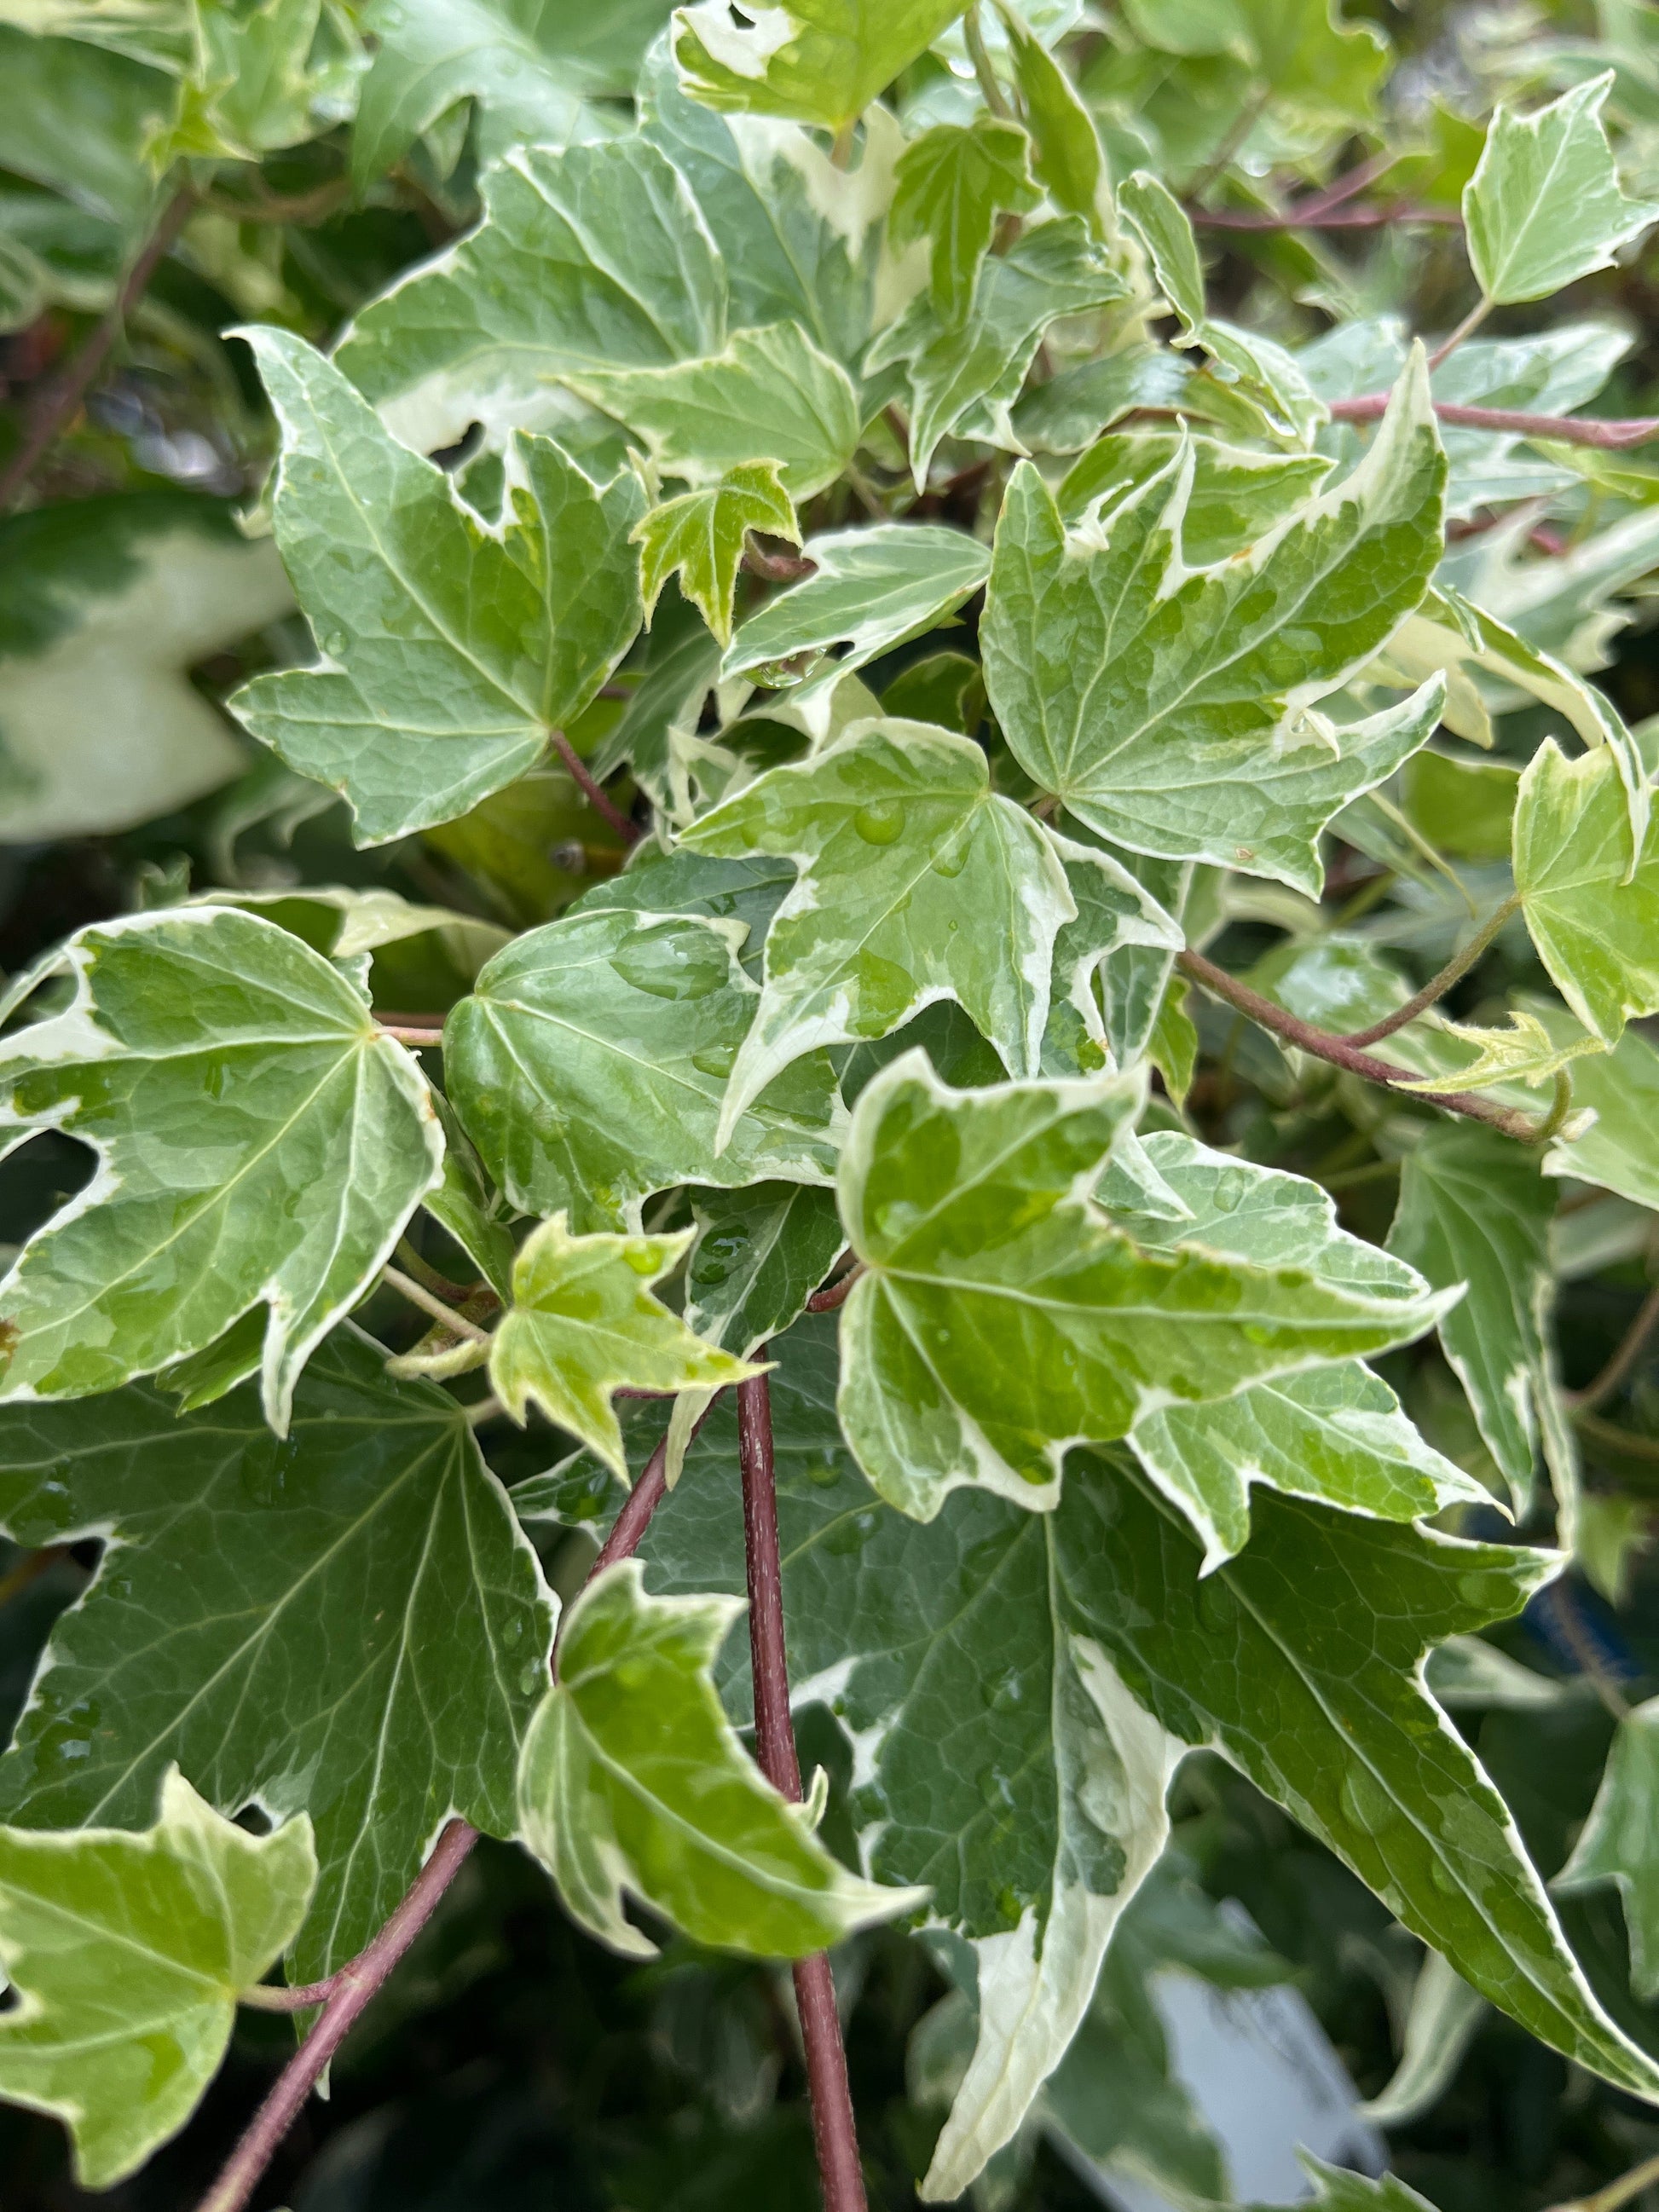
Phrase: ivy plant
[885,893]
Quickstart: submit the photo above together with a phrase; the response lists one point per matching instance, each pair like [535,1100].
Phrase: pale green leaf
[347,1624]
[126,1954]
[1338,2190]
[596,258]
[1464,807]
[699,537]
[760,1254]
[1066,152]
[160,33]
[1441,2023]
[918,882]
[1121,939]
[1593,917]
[873,589]
[452,650]
[771,395]
[952,182]
[965,375]
[251,89]
[1166,237]
[590,1068]
[583,1323]
[1173,710]
[1335,1433]
[1622,1089]
[315,1139]
[77,120]
[469,1209]
[811,61]
[1523,1051]
[1237,494]
[108,602]
[1002,1317]
[1544,207]
[1618,1842]
[633,1780]
[1473,1209]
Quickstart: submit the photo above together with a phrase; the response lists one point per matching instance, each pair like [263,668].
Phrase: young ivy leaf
[1616,1843]
[1523,1051]
[1172,708]
[1592,915]
[1002,1317]
[632,1779]
[699,537]
[1545,207]
[1115,913]
[590,1066]
[918,882]
[583,1323]
[771,395]
[127,1954]
[1066,152]
[1335,1433]
[346,1624]
[587,259]
[452,650]
[872,589]
[811,61]
[318,1139]
[1237,494]
[952,182]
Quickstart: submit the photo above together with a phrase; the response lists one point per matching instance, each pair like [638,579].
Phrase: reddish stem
[595,792]
[61,402]
[1571,430]
[1310,216]
[836,1293]
[834,2132]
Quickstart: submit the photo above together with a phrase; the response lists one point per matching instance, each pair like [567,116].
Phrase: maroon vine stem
[348,1992]
[835,2133]
[1571,430]
[594,792]
[62,399]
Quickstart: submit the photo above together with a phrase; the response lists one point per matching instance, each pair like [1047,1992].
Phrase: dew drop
[880,823]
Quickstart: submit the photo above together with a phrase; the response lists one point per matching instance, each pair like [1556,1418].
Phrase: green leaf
[1523,1051]
[127,1954]
[1237,495]
[917,882]
[162,33]
[952,184]
[1066,152]
[1173,710]
[593,259]
[1473,1209]
[1593,917]
[1544,207]
[320,1139]
[1115,915]
[699,537]
[1002,1317]
[772,395]
[590,1068]
[760,1254]
[108,602]
[1463,807]
[1441,2022]
[1617,1842]
[1337,2189]
[78,121]
[965,374]
[873,589]
[1333,1433]
[812,61]
[632,1779]
[468,1208]
[1622,1089]
[451,650]
[251,90]
[347,1624]
[583,1323]
[531,68]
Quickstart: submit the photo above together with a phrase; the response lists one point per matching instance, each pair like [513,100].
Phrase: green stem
[1470,324]
[407,1287]
[1438,986]
[978,53]
[1628,1352]
[1616,2193]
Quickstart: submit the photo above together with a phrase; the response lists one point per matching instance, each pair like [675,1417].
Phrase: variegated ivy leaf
[591,1066]
[593,258]
[1119,922]
[1622,1089]
[1474,1210]
[963,374]
[346,1624]
[634,1781]
[812,61]
[452,648]
[250,88]
[583,1323]
[1066,153]
[1173,708]
[700,537]
[1002,1317]
[1333,1433]
[1237,494]
[1545,207]
[127,1954]
[760,1253]
[1590,900]
[771,395]
[952,182]
[1336,2189]
[872,589]
[315,1139]
[1617,1841]
[918,882]
[1523,1051]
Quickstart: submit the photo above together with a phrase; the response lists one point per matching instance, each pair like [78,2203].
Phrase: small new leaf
[699,537]
[583,1323]
[812,61]
[127,1953]
[1523,1051]
[952,182]
[1593,916]
[633,1780]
